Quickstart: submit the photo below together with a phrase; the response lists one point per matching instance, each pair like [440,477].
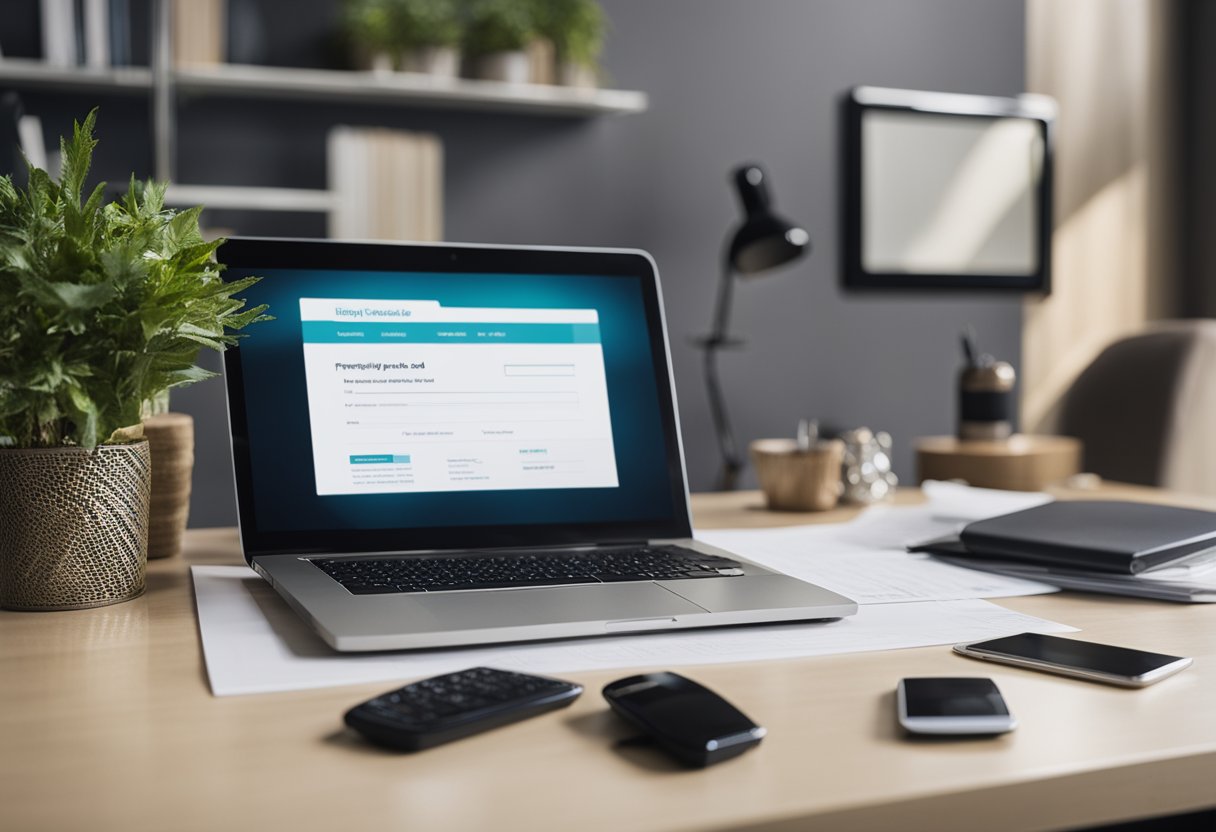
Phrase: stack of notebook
[1116,547]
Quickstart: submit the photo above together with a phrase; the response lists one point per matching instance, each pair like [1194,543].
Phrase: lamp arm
[731,463]
[723,301]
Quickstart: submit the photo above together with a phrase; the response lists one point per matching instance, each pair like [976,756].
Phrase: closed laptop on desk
[447,445]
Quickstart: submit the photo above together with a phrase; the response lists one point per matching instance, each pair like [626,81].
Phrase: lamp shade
[764,240]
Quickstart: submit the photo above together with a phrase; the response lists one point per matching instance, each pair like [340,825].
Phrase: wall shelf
[166,85]
[404,88]
[27,73]
[244,198]
[325,85]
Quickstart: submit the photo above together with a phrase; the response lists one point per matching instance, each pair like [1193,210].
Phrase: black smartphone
[1080,659]
[952,705]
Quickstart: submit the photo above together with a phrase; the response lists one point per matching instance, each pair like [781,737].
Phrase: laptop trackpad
[547,605]
[759,592]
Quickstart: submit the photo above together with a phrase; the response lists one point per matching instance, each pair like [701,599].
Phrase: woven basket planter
[73,526]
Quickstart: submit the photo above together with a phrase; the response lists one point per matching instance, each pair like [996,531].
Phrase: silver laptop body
[362,495]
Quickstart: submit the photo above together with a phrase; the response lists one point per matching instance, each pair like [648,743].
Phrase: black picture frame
[855,104]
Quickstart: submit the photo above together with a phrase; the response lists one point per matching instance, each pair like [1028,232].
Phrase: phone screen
[953,697]
[1102,658]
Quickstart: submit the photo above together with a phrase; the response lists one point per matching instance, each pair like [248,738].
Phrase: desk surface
[106,722]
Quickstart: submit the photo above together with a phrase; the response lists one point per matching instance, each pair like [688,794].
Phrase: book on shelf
[95,30]
[386,184]
[199,32]
[95,34]
[120,32]
[25,131]
[58,24]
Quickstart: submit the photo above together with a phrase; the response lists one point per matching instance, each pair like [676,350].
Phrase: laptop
[445,445]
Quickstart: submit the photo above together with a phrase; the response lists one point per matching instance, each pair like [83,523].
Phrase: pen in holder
[800,474]
[985,394]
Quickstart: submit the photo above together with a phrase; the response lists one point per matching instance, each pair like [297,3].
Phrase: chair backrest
[1146,408]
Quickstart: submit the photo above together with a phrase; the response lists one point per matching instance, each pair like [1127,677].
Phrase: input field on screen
[538,369]
[412,398]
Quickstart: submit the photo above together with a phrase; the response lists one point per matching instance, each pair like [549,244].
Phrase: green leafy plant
[576,28]
[103,306]
[370,24]
[422,23]
[498,26]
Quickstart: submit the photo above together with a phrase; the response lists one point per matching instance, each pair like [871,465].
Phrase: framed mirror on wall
[946,191]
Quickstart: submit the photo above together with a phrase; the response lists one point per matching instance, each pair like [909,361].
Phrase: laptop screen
[409,397]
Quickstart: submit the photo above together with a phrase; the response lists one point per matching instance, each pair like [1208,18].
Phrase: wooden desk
[106,722]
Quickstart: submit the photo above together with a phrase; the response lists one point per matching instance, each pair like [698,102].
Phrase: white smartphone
[1080,659]
[955,705]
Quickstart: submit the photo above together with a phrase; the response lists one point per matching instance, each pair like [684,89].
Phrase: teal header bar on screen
[334,332]
[380,459]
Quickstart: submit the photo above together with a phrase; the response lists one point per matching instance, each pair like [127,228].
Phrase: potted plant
[103,307]
[576,28]
[497,36]
[369,26]
[428,33]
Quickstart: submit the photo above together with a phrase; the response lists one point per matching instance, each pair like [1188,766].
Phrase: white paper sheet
[866,560]
[254,643]
[964,503]
[868,577]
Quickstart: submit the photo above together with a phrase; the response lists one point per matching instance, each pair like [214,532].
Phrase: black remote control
[689,721]
[446,708]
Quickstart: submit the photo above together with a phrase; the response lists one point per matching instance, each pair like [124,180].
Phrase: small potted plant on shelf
[497,35]
[428,33]
[369,26]
[576,28]
[103,307]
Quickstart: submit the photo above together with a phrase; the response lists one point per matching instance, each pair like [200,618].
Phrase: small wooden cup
[171,440]
[798,480]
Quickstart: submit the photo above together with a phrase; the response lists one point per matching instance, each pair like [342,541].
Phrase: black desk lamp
[762,242]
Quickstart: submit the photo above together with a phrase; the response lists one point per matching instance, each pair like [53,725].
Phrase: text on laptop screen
[396,400]
[413,396]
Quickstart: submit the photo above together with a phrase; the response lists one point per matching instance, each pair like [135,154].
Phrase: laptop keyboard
[444,573]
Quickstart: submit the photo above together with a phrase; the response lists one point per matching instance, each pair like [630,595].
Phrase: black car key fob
[446,708]
[689,721]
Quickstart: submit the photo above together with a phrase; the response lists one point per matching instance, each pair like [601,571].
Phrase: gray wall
[729,81]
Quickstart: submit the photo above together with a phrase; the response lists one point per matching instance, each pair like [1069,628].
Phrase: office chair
[1146,408]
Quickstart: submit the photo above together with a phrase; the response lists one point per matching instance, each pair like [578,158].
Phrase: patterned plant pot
[73,526]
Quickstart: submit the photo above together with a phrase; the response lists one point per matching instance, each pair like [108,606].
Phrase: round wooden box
[1019,463]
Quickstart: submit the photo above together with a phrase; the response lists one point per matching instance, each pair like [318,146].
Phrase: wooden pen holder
[797,479]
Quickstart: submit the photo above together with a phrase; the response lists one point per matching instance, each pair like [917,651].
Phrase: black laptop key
[378,575]
[364,589]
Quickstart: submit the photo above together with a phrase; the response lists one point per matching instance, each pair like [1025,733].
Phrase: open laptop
[440,445]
